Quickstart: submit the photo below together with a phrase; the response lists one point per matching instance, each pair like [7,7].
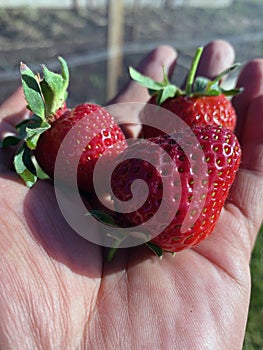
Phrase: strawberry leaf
[213,87]
[33,135]
[54,88]
[30,123]
[168,91]
[225,72]
[205,87]
[10,140]
[151,92]
[163,90]
[24,165]
[194,87]
[232,92]
[41,174]
[44,97]
[165,77]
[145,81]
[30,129]
[200,85]
[33,122]
[103,217]
[32,91]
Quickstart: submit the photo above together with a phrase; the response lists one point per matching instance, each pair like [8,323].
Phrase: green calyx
[44,96]
[194,87]
[112,222]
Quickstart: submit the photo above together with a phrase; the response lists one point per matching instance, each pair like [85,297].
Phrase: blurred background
[101,38]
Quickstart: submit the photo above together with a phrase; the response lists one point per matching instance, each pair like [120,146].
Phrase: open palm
[58,292]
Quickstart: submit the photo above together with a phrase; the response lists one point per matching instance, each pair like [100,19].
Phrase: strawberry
[193,198]
[98,121]
[201,103]
[41,136]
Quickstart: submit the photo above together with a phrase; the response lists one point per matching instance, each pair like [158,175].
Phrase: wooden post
[80,7]
[115,44]
[168,4]
[75,6]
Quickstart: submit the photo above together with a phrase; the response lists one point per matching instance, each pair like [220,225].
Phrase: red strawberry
[201,103]
[98,119]
[43,133]
[179,183]
[194,111]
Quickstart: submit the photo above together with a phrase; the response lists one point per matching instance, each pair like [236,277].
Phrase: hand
[56,290]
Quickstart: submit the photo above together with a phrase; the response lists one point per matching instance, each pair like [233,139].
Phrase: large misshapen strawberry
[202,102]
[188,188]
[40,137]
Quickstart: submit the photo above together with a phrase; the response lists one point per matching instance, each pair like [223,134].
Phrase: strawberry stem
[115,246]
[193,69]
[111,253]
[155,249]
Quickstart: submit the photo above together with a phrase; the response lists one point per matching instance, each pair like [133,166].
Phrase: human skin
[57,291]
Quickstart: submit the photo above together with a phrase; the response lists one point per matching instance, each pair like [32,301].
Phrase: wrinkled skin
[58,292]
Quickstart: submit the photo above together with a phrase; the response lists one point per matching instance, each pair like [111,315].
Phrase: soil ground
[39,35]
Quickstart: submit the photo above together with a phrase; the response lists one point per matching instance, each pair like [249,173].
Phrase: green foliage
[254,332]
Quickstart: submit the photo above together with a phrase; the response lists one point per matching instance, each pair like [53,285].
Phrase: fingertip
[217,56]
[13,105]
[253,130]
[251,80]
[153,63]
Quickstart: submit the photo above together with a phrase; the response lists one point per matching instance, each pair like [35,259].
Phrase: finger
[217,56]
[152,66]
[253,135]
[13,108]
[251,79]
[11,112]
[247,192]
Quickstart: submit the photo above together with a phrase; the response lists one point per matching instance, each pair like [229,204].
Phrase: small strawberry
[107,136]
[180,183]
[202,102]
[42,135]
